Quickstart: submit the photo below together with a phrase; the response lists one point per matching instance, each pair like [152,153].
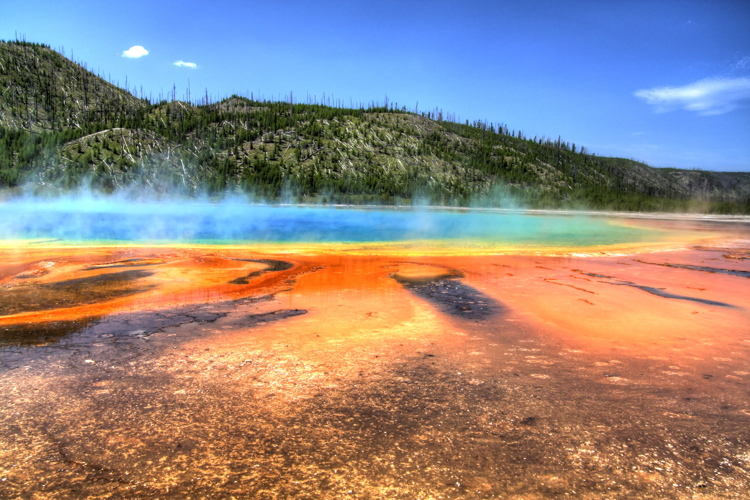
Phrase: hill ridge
[62,128]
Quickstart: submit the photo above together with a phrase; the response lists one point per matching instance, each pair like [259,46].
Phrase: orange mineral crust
[304,372]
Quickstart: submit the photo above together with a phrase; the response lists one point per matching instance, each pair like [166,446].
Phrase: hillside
[63,128]
[42,90]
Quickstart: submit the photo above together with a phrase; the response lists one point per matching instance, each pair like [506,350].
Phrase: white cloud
[135,52]
[184,64]
[710,96]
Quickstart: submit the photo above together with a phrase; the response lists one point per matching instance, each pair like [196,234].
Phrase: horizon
[670,89]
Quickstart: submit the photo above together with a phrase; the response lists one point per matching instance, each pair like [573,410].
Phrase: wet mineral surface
[213,372]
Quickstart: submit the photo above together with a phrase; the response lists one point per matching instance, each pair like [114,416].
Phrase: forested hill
[63,128]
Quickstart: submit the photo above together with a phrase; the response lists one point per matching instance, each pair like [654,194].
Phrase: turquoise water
[86,220]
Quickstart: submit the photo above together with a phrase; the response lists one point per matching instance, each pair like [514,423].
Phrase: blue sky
[665,82]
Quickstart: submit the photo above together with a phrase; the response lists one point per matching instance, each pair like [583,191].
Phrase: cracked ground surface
[228,373]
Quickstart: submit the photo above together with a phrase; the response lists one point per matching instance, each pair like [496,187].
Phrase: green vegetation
[62,128]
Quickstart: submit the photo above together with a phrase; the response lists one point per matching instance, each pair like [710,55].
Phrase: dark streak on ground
[122,326]
[27,334]
[594,275]
[144,324]
[659,292]
[70,293]
[110,279]
[273,266]
[554,282]
[269,317]
[134,326]
[136,262]
[717,270]
[32,274]
[451,296]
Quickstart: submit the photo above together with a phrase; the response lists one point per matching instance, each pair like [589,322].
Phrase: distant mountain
[64,128]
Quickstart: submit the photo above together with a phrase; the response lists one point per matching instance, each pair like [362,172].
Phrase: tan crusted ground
[234,373]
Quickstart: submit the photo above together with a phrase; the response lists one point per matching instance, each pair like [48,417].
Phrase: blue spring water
[86,220]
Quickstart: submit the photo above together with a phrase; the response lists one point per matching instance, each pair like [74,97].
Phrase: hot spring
[77,221]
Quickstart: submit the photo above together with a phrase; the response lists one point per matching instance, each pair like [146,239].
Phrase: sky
[664,82]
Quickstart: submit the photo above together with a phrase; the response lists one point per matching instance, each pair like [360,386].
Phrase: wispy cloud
[184,64]
[710,96]
[135,52]
[743,63]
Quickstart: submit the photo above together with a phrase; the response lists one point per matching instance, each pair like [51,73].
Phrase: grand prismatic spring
[238,351]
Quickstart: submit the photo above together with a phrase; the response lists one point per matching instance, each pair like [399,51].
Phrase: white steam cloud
[135,52]
[185,64]
[710,96]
